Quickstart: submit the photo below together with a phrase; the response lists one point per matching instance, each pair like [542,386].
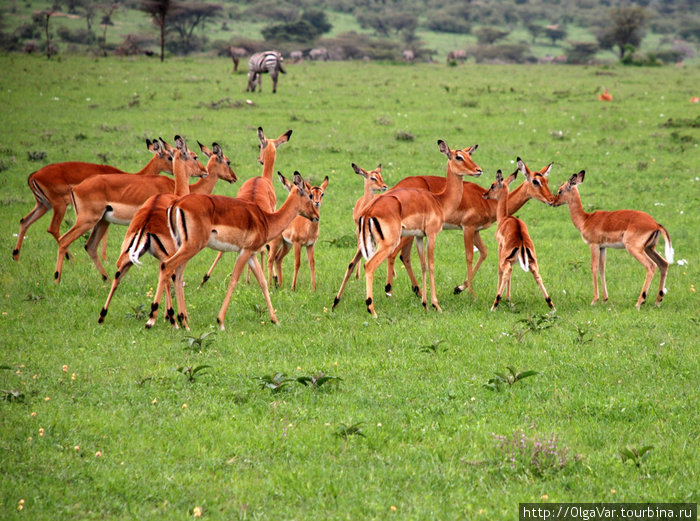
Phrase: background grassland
[412,381]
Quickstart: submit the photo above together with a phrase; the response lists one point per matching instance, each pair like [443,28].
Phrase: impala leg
[595,261]
[103,254]
[122,267]
[80,227]
[281,254]
[469,258]
[92,244]
[505,272]
[37,212]
[272,268]
[536,273]
[297,264]
[59,212]
[431,270]
[650,267]
[312,264]
[179,283]
[241,262]
[260,276]
[211,269]
[479,243]
[406,259]
[391,270]
[348,273]
[370,267]
[421,256]
[601,269]
[663,268]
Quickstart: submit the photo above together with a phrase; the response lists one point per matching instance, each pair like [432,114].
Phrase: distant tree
[107,10]
[581,52]
[535,30]
[44,18]
[388,21]
[554,33]
[623,26]
[190,15]
[310,26]
[318,19]
[160,11]
[489,35]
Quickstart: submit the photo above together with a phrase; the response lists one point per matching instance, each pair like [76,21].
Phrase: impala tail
[176,224]
[368,227]
[139,244]
[523,257]
[668,248]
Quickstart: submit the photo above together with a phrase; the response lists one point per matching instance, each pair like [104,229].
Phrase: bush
[273,11]
[581,52]
[82,36]
[504,53]
[445,21]
[355,46]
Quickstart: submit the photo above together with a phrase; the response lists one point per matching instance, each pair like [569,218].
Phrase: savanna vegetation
[333,414]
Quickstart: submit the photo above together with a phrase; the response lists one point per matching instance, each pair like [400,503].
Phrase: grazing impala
[51,186]
[410,211]
[104,199]
[301,233]
[259,190]
[227,224]
[633,230]
[148,231]
[513,240]
[473,214]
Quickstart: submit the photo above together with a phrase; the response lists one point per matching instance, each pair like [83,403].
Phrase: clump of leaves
[501,379]
[533,455]
[402,135]
[317,380]
[637,456]
[32,297]
[12,395]
[137,312]
[275,383]
[36,155]
[535,324]
[433,348]
[581,335]
[198,343]
[192,372]
[346,431]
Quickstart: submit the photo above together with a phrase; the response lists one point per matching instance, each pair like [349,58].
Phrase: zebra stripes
[261,62]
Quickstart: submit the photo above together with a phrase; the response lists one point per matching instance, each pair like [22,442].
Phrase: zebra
[261,62]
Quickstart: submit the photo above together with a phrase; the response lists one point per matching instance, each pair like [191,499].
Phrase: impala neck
[578,214]
[182,179]
[502,208]
[151,167]
[269,155]
[451,196]
[368,195]
[517,199]
[204,185]
[280,219]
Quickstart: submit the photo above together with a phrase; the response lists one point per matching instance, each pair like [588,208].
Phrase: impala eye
[535,182]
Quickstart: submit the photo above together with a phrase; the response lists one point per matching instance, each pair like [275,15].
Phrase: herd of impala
[174,220]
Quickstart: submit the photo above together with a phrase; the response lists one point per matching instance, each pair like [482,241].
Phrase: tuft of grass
[501,379]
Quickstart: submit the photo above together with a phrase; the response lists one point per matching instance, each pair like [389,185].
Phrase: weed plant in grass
[105,426]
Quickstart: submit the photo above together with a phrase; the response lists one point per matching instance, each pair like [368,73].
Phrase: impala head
[537,182]
[316,193]
[497,189]
[219,164]
[298,189]
[268,147]
[373,177]
[567,190]
[460,161]
[162,154]
[186,159]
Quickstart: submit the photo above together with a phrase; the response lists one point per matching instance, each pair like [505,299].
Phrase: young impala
[407,211]
[301,233]
[227,224]
[633,230]
[259,190]
[51,186]
[473,214]
[514,242]
[148,231]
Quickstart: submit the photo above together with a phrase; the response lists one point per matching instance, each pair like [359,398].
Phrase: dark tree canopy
[623,26]
[186,17]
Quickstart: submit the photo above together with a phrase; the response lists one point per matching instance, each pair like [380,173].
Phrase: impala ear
[285,182]
[204,149]
[379,168]
[261,137]
[216,150]
[166,146]
[522,167]
[499,177]
[324,185]
[359,171]
[444,148]
[547,170]
[472,149]
[283,138]
[300,183]
[580,176]
[511,177]
[576,179]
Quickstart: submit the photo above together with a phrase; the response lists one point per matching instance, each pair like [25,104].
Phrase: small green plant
[346,431]
[501,379]
[433,348]
[317,380]
[275,383]
[198,343]
[36,155]
[637,456]
[535,324]
[532,455]
[192,372]
[137,312]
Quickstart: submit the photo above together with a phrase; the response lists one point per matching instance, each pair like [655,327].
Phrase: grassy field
[97,423]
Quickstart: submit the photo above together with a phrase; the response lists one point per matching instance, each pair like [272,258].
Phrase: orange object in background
[606,96]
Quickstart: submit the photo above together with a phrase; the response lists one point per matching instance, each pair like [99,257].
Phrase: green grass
[412,383]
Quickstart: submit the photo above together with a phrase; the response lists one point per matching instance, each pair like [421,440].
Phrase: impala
[148,231]
[51,186]
[259,190]
[227,224]
[473,214]
[409,211]
[514,242]
[301,233]
[104,199]
[633,230]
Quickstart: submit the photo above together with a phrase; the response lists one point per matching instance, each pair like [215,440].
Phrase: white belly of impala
[215,244]
[110,217]
[448,226]
[617,245]
[407,232]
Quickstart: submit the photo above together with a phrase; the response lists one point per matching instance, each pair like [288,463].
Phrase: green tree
[160,11]
[554,33]
[188,16]
[489,35]
[624,26]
